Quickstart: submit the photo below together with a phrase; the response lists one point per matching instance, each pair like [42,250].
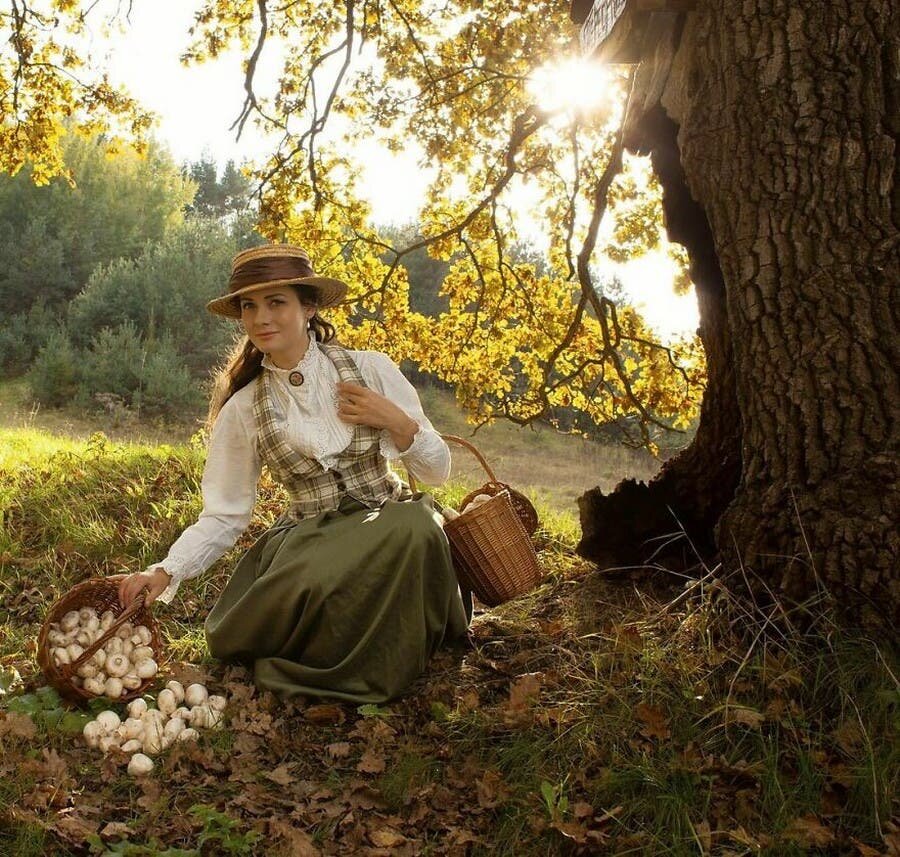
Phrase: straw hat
[274,265]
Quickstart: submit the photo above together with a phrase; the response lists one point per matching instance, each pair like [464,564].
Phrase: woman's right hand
[155,582]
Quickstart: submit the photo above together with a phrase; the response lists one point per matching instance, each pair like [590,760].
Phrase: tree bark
[788,123]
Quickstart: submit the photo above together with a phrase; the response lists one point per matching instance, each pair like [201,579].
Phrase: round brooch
[296,379]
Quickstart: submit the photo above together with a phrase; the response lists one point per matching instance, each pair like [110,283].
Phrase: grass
[665,718]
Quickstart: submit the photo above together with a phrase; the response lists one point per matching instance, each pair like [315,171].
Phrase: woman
[352,590]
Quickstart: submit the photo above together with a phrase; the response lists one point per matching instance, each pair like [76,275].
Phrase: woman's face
[276,321]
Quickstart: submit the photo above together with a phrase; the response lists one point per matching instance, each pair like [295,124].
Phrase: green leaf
[370,710]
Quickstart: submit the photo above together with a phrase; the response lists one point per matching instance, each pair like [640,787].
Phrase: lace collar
[306,365]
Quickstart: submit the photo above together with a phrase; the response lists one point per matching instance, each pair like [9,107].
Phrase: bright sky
[197,106]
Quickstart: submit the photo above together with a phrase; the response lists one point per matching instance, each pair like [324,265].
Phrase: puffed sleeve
[428,456]
[228,487]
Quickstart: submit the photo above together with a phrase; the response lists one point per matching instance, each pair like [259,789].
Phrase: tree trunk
[788,122]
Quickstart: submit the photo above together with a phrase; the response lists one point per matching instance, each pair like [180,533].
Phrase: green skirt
[349,604]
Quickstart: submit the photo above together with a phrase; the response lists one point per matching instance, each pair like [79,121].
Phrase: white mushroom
[86,613]
[177,688]
[196,694]
[182,713]
[84,638]
[94,686]
[131,681]
[107,620]
[125,630]
[146,668]
[173,728]
[133,727]
[75,651]
[127,647]
[166,702]
[70,621]
[57,638]
[140,765]
[117,665]
[141,653]
[109,720]
[61,656]
[92,623]
[142,632]
[137,707]
[113,646]
[154,738]
[113,687]
[108,742]
[93,732]
[188,735]
[98,659]
[217,703]
[204,717]
[87,670]
[132,746]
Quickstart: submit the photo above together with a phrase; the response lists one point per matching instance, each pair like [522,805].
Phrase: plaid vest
[361,470]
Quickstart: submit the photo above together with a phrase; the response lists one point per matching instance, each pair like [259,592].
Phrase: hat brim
[331,293]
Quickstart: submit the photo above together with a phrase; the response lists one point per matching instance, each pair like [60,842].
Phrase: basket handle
[89,652]
[467,445]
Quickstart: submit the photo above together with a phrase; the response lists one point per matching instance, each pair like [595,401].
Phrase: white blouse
[311,423]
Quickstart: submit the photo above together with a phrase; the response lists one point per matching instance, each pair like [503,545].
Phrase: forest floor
[632,713]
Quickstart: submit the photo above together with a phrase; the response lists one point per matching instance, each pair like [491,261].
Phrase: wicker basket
[491,544]
[101,593]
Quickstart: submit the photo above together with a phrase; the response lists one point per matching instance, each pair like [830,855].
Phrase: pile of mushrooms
[123,663]
[148,731]
[450,514]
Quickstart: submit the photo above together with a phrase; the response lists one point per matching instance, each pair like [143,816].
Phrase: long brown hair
[244,362]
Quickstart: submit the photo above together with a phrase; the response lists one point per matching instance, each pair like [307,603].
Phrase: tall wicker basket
[491,545]
[101,593]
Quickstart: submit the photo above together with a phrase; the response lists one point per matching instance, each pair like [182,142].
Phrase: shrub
[56,373]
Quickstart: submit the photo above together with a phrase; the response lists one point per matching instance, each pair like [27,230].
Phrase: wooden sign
[600,21]
[612,30]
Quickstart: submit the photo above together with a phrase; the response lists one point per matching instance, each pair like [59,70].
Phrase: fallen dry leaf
[116,828]
[281,775]
[745,716]
[17,725]
[324,715]
[809,831]
[386,837]
[299,842]
[371,763]
[656,724]
[338,750]
[524,690]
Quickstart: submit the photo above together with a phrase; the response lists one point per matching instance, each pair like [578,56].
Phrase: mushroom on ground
[196,694]
[137,707]
[188,735]
[216,703]
[166,701]
[205,717]
[108,719]
[140,765]
[93,732]
[133,745]
[177,688]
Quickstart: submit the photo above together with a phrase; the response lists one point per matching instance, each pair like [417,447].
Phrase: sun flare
[572,85]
